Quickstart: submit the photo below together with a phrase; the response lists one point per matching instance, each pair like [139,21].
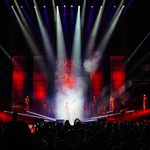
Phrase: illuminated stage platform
[31,117]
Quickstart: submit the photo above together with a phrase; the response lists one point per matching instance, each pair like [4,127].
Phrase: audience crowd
[97,135]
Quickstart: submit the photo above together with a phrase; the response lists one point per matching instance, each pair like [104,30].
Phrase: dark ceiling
[133,26]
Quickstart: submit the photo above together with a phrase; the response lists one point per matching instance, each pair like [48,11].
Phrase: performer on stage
[27,104]
[45,108]
[67,109]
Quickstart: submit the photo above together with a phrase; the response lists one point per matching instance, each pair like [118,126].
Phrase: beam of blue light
[22,16]
[76,56]
[28,19]
[47,19]
[54,11]
[90,21]
[91,64]
[109,32]
[64,23]
[72,20]
[45,37]
[27,4]
[27,36]
[83,13]
[94,32]
[60,37]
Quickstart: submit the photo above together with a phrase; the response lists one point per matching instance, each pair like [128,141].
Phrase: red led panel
[96,83]
[39,81]
[117,73]
[18,77]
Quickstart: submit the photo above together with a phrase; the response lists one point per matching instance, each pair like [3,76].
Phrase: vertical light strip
[94,32]
[61,50]
[76,55]
[45,37]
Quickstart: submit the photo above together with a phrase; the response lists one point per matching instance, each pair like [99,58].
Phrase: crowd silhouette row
[98,135]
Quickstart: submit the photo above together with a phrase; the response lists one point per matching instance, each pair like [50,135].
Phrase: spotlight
[21,6]
[91,6]
[114,6]
[71,5]
[44,6]
[12,6]
[64,5]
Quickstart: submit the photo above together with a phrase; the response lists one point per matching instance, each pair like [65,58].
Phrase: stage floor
[31,117]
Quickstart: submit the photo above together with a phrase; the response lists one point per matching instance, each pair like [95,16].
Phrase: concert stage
[31,117]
